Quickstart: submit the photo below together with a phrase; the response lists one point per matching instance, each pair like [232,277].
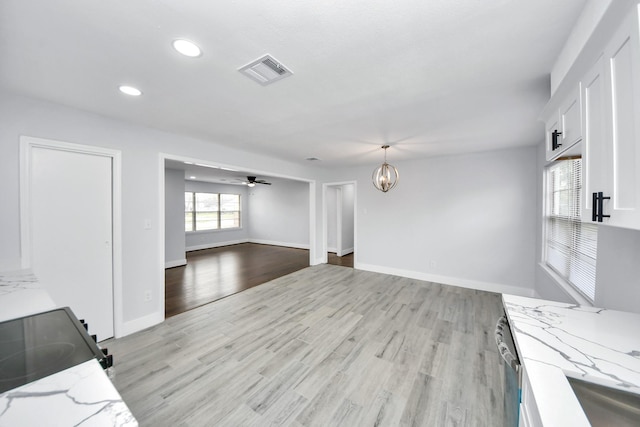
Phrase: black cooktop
[39,345]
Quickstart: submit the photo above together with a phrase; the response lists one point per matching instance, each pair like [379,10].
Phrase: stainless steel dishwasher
[512,371]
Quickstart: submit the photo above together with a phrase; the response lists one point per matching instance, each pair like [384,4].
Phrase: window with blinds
[570,245]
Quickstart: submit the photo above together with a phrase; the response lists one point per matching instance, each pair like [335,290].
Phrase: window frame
[219,212]
[582,236]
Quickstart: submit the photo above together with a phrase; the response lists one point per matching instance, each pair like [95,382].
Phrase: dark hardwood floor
[344,261]
[211,274]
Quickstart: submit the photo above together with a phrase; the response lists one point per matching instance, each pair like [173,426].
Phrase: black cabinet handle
[596,206]
[554,140]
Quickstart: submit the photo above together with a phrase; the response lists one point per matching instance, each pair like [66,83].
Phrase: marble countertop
[82,395]
[79,396]
[556,340]
[22,295]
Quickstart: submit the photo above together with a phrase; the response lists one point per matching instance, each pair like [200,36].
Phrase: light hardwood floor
[324,346]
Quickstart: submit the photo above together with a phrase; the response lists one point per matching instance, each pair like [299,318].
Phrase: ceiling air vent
[265,70]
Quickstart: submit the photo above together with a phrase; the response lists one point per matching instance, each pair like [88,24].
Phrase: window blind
[571,245]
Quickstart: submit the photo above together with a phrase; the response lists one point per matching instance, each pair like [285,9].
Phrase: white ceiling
[426,77]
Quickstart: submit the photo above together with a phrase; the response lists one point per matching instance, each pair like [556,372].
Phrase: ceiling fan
[253,181]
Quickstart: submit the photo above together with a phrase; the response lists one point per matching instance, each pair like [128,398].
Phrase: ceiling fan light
[251,184]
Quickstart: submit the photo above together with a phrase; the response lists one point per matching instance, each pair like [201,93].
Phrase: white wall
[174,237]
[467,220]
[214,238]
[348,230]
[279,213]
[142,180]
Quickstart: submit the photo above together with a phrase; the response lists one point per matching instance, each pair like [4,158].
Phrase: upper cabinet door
[622,55]
[596,156]
[564,125]
[571,119]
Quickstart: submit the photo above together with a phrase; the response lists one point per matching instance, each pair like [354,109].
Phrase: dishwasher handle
[502,327]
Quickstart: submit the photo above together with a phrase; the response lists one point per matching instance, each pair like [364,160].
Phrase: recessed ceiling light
[192,177]
[187,48]
[130,90]
[188,163]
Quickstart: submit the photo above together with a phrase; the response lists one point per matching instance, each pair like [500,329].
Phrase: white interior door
[71,232]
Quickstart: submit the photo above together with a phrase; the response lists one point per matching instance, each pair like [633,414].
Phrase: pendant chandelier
[386,176]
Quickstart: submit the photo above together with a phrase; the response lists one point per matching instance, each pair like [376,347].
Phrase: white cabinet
[564,125]
[611,96]
[529,413]
[595,151]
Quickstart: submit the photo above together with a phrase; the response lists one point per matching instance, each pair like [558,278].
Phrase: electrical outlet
[147,296]
[432,264]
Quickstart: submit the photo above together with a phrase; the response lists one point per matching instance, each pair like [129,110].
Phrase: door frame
[325,186]
[27,144]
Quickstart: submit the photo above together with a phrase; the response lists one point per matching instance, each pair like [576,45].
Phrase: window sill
[565,287]
[217,230]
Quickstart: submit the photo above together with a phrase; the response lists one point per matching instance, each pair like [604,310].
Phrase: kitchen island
[557,340]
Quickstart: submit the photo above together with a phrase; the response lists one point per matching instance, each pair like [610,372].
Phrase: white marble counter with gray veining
[79,396]
[593,344]
[82,395]
[21,295]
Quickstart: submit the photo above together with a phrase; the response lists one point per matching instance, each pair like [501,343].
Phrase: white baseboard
[345,252]
[274,243]
[175,263]
[447,280]
[215,245]
[332,249]
[317,261]
[141,323]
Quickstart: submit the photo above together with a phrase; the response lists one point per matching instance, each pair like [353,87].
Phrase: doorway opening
[271,238]
[339,204]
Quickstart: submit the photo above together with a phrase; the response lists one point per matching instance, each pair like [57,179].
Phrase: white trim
[158,315]
[175,263]
[447,280]
[333,250]
[27,143]
[338,220]
[344,252]
[141,323]
[215,245]
[275,243]
[313,225]
[562,284]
